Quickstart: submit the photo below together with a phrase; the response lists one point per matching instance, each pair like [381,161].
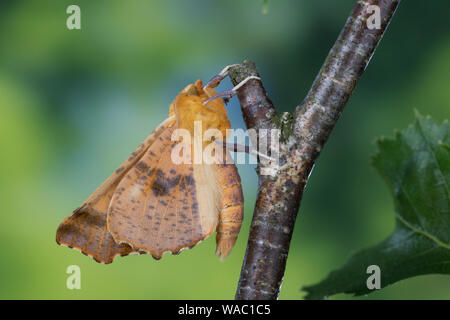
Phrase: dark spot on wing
[118,171]
[141,166]
[189,180]
[162,185]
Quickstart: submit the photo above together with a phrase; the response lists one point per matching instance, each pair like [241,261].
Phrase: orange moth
[151,204]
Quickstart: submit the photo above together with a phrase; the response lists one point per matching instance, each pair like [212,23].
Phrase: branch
[305,133]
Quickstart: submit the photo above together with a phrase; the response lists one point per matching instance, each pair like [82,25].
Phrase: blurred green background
[75,103]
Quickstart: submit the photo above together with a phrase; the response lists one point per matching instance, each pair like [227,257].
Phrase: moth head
[195,94]
[188,107]
[194,89]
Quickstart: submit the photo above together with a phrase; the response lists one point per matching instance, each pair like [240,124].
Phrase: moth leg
[236,147]
[230,93]
[214,82]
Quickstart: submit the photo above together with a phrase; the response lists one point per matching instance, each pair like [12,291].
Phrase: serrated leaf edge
[428,144]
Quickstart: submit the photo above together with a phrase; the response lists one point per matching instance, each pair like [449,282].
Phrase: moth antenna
[236,147]
[231,93]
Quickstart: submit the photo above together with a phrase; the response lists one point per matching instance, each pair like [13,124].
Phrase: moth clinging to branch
[152,204]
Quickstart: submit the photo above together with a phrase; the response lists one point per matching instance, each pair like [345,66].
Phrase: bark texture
[303,135]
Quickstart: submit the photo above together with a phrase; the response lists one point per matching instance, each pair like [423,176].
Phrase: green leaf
[416,166]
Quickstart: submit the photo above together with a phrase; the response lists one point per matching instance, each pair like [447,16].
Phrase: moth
[151,205]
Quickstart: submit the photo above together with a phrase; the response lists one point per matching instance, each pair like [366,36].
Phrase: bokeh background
[74,104]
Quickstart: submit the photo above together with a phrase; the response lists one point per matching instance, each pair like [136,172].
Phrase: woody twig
[304,133]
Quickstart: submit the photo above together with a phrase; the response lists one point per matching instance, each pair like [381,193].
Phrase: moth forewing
[161,206]
[154,203]
[86,228]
